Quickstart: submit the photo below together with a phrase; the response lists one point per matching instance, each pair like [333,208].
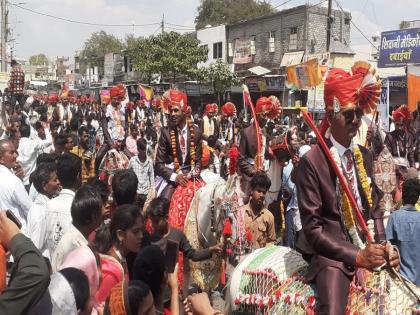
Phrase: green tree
[169,54]
[38,60]
[404,24]
[219,76]
[96,47]
[216,12]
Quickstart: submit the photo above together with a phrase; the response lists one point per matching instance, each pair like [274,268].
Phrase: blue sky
[39,34]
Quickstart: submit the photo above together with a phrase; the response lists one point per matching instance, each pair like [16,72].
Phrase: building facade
[214,38]
[265,40]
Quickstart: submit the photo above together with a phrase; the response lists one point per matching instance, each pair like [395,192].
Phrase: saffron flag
[413,87]
[305,75]
[146,92]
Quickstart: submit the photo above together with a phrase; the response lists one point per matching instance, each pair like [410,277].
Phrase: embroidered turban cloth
[178,99]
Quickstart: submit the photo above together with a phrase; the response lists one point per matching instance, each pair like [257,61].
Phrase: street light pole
[3,35]
[329,22]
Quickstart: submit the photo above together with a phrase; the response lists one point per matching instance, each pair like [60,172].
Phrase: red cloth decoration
[233,159]
[229,109]
[180,204]
[227,227]
[248,235]
[401,113]
[264,105]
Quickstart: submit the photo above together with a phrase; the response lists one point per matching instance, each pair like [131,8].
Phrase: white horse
[270,281]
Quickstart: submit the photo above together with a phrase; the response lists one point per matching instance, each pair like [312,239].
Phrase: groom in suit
[177,139]
[327,243]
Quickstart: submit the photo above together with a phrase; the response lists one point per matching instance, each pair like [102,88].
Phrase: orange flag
[413,87]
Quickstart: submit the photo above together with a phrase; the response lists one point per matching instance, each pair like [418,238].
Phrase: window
[271,41]
[218,50]
[293,38]
[347,21]
[230,50]
[252,44]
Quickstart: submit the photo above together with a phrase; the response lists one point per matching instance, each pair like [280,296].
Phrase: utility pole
[163,23]
[3,35]
[329,23]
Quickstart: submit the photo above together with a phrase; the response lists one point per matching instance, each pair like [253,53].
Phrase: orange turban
[264,105]
[229,109]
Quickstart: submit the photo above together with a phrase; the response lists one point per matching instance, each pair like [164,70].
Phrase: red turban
[114,92]
[53,99]
[229,109]
[212,108]
[361,88]
[401,113]
[275,107]
[176,98]
[156,102]
[264,105]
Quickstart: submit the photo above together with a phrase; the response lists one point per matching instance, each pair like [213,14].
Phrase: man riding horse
[334,245]
[178,156]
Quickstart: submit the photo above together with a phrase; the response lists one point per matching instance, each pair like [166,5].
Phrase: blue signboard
[399,48]
[398,84]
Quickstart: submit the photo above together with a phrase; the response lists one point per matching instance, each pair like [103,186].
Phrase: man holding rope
[335,235]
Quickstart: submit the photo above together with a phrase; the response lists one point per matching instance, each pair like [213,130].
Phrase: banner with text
[399,48]
[242,51]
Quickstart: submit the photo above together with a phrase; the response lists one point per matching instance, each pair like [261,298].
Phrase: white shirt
[28,151]
[58,218]
[341,152]
[13,195]
[71,240]
[36,228]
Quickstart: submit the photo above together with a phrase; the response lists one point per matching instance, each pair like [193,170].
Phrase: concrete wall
[209,36]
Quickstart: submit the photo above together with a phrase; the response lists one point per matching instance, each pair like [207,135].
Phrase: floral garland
[347,211]
[192,146]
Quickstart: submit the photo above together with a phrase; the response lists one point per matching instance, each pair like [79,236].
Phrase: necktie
[349,171]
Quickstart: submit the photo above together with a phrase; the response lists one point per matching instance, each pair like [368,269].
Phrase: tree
[219,76]
[404,24]
[169,54]
[38,60]
[97,46]
[216,12]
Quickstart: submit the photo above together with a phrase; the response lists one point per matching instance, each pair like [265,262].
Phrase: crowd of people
[94,193]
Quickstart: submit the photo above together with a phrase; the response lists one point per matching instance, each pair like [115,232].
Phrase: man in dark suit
[178,156]
[248,148]
[327,242]
[400,142]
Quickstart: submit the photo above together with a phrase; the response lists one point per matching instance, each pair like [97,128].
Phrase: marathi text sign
[399,48]
[242,52]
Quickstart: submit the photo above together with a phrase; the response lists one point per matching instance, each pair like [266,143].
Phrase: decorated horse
[271,281]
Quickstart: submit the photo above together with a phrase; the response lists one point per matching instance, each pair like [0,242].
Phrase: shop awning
[291,58]
[258,70]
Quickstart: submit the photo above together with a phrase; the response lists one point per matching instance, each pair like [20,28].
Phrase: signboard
[383,106]
[315,101]
[399,48]
[109,68]
[274,83]
[398,84]
[323,58]
[242,53]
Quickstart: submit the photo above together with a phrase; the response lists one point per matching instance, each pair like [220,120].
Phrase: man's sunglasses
[349,115]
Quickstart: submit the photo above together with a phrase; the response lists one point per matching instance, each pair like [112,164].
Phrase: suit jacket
[248,149]
[408,149]
[327,241]
[164,151]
